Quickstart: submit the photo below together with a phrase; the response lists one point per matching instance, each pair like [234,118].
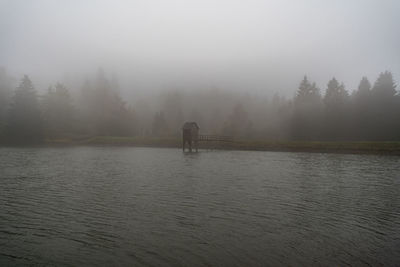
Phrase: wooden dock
[214,138]
[191,137]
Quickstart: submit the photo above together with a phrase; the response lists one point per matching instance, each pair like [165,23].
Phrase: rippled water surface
[158,207]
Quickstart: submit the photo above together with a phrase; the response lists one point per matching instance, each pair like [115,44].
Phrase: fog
[254,46]
[276,70]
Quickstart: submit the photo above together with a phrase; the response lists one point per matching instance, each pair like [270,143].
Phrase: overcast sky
[248,45]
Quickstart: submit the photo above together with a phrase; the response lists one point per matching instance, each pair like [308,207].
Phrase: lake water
[110,206]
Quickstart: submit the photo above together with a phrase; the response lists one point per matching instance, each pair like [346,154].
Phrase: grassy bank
[392,148]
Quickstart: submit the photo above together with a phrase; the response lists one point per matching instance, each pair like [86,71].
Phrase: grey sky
[249,45]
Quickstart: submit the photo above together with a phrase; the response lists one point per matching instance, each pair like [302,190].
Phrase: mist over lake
[159,207]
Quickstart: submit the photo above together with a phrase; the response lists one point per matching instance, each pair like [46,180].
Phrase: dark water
[158,207]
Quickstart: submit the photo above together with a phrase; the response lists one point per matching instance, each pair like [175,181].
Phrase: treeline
[31,118]
[369,113]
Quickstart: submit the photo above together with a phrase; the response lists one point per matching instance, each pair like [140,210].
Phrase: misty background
[235,67]
[264,46]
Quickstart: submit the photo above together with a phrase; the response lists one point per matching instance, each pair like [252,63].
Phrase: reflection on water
[152,207]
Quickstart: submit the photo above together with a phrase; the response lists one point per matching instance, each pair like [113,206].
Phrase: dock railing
[215,138]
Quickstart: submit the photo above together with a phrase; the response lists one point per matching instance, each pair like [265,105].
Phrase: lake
[127,206]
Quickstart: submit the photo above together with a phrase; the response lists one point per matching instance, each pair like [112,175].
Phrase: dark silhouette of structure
[190,135]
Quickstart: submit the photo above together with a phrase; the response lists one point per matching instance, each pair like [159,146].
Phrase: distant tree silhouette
[238,123]
[384,88]
[6,85]
[214,121]
[86,109]
[24,124]
[103,109]
[384,108]
[160,126]
[361,111]
[336,111]
[364,90]
[58,111]
[173,111]
[336,95]
[307,93]
[306,121]
[278,115]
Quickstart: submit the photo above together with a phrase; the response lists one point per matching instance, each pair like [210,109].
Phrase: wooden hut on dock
[190,135]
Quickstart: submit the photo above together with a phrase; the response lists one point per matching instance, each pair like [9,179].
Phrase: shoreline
[379,148]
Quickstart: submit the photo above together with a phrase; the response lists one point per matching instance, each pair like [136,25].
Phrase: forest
[370,112]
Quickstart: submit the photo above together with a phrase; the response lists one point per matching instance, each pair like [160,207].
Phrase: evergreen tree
[215,119]
[58,111]
[6,85]
[336,95]
[238,123]
[303,91]
[336,111]
[384,108]
[361,108]
[306,120]
[384,88]
[104,111]
[24,123]
[113,116]
[160,126]
[308,93]
[86,109]
[364,90]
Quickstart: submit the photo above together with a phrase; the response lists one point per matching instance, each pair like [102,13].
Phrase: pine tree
[384,88]
[24,123]
[238,122]
[58,111]
[306,120]
[6,85]
[104,112]
[361,108]
[336,111]
[160,126]
[308,93]
[336,95]
[364,90]
[303,91]
[384,108]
